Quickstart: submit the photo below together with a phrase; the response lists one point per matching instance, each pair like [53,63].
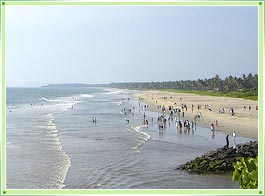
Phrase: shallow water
[53,143]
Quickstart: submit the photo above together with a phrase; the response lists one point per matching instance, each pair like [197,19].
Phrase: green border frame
[259,191]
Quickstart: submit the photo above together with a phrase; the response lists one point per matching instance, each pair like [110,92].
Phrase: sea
[94,138]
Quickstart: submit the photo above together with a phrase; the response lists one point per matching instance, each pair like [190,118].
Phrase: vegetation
[239,87]
[245,94]
[246,173]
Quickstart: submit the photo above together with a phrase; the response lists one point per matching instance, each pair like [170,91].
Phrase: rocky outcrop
[221,160]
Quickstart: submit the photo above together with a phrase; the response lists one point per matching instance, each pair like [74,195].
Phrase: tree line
[215,84]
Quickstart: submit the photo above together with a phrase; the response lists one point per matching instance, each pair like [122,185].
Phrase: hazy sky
[102,44]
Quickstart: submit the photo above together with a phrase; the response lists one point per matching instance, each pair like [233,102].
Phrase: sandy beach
[244,121]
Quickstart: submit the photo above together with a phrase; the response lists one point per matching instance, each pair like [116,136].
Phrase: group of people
[185,124]
[249,107]
[184,107]
[180,124]
[128,111]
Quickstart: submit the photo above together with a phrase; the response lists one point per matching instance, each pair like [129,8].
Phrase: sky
[103,44]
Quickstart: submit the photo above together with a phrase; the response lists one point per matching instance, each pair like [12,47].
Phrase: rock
[221,160]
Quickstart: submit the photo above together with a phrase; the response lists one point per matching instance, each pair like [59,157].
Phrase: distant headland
[245,87]
[73,85]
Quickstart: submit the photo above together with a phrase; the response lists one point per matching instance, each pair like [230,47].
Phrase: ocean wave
[143,135]
[112,92]
[62,104]
[64,166]
[116,102]
[86,95]
[9,145]
[44,99]
[57,105]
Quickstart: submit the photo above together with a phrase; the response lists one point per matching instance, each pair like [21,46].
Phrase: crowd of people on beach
[169,115]
[174,115]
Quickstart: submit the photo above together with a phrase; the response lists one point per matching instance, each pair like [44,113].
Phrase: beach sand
[244,121]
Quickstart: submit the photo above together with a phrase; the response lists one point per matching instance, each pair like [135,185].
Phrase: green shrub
[246,173]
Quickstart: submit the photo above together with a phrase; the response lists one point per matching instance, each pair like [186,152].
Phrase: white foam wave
[86,95]
[113,92]
[143,135]
[54,139]
[143,138]
[58,105]
[116,102]
[64,103]
[9,145]
[44,99]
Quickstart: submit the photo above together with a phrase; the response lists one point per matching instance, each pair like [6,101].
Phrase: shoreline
[244,121]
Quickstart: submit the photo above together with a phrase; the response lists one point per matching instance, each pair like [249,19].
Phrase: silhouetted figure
[227,141]
[94,120]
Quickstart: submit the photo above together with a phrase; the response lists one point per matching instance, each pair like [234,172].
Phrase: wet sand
[244,121]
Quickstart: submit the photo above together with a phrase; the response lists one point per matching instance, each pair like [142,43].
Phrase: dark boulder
[221,160]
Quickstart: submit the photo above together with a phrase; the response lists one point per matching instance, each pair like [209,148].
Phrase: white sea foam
[143,138]
[86,95]
[113,92]
[9,145]
[64,103]
[58,105]
[143,135]
[65,165]
[49,100]
[43,99]
[116,102]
